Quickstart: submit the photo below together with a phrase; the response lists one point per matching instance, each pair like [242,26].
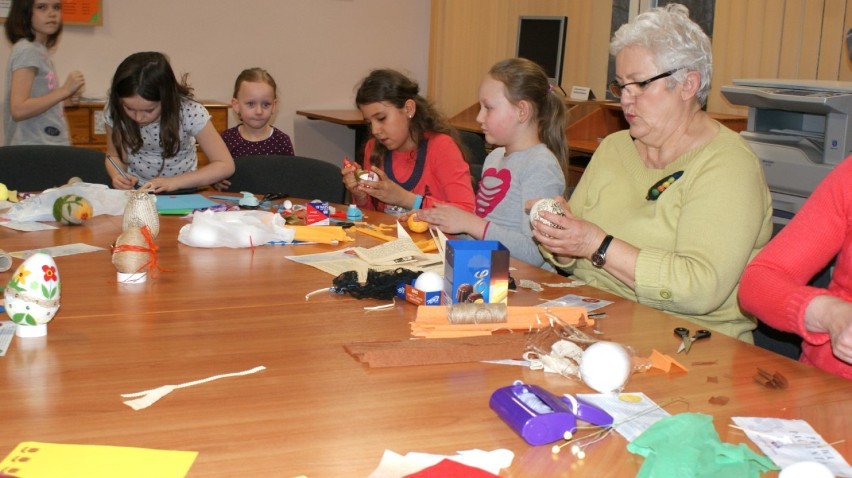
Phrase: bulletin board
[74,12]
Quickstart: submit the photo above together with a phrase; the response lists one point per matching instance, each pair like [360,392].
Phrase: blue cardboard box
[476,271]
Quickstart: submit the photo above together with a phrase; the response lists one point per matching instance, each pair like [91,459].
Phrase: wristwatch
[599,257]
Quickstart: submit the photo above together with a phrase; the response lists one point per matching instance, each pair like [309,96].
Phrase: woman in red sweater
[414,152]
[774,286]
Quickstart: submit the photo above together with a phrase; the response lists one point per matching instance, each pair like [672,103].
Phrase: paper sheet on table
[181,204]
[48,460]
[57,251]
[394,465]
[27,226]
[338,262]
[791,441]
[631,417]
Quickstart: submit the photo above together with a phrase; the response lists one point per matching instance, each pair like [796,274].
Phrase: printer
[799,129]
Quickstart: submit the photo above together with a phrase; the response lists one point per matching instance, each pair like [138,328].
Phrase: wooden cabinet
[86,124]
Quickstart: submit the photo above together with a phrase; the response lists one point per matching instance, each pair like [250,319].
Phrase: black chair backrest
[475,145]
[39,167]
[296,176]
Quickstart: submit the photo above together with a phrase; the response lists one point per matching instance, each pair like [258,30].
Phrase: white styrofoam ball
[605,366]
[429,282]
[806,469]
[287,204]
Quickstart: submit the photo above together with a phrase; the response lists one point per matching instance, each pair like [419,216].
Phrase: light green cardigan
[694,241]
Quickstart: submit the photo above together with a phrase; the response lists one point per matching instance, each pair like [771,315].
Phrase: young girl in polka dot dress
[152,125]
[254,102]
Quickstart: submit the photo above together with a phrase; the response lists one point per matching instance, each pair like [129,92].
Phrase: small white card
[792,441]
[632,412]
[7,331]
[27,226]
[573,300]
[581,93]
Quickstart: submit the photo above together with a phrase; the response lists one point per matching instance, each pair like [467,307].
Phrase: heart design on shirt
[492,189]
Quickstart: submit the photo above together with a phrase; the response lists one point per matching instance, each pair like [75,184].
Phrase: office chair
[475,145]
[296,176]
[39,167]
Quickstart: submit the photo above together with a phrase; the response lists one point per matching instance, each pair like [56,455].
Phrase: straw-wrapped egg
[548,205]
[131,253]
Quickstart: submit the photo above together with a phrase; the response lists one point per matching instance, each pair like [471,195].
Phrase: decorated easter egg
[32,294]
[548,205]
[72,209]
[605,366]
[367,175]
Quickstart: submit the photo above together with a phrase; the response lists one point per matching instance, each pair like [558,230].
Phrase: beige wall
[799,39]
[471,35]
[317,50]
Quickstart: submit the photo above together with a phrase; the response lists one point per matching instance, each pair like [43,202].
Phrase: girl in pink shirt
[414,152]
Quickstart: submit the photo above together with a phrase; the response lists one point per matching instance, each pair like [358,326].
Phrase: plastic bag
[39,207]
[234,229]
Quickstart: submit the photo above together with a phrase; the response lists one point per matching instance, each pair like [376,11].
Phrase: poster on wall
[74,12]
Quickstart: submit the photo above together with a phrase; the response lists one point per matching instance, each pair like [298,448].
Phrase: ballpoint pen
[120,171]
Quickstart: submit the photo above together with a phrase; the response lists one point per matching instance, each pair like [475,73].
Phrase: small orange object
[417,226]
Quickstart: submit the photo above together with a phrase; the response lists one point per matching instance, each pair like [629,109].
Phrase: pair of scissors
[686,340]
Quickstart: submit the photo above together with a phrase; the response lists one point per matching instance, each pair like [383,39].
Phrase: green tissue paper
[687,446]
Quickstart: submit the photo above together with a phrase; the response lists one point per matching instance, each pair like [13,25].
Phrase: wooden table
[316,410]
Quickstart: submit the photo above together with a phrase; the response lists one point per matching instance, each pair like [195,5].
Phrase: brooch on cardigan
[660,186]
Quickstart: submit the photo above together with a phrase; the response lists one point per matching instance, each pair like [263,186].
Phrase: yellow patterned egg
[72,209]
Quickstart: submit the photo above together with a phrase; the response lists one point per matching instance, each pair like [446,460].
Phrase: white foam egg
[605,366]
[806,469]
[429,282]
[288,204]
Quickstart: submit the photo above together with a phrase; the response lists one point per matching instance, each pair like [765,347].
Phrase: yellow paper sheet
[320,234]
[49,460]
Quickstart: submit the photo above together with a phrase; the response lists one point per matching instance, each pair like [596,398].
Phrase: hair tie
[549,87]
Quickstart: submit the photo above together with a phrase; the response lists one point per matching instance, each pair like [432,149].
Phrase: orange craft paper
[432,322]
[664,362]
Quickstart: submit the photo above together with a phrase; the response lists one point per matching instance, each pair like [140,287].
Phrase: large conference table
[316,410]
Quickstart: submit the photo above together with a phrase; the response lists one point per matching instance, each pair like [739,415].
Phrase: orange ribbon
[151,250]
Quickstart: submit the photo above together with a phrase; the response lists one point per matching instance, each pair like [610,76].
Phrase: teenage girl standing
[34,99]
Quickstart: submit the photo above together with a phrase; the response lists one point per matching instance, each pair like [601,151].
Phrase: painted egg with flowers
[72,209]
[32,294]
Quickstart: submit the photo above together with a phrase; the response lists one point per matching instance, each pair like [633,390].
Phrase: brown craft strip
[438,351]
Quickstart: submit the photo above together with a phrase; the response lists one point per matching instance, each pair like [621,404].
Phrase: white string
[149,397]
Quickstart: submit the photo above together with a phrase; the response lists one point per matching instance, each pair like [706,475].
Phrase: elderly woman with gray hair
[669,212]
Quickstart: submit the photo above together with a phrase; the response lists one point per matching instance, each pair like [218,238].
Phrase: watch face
[598,259]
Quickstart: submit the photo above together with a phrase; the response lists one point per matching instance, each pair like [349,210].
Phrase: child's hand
[161,185]
[121,182]
[74,83]
[452,220]
[222,185]
[384,189]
